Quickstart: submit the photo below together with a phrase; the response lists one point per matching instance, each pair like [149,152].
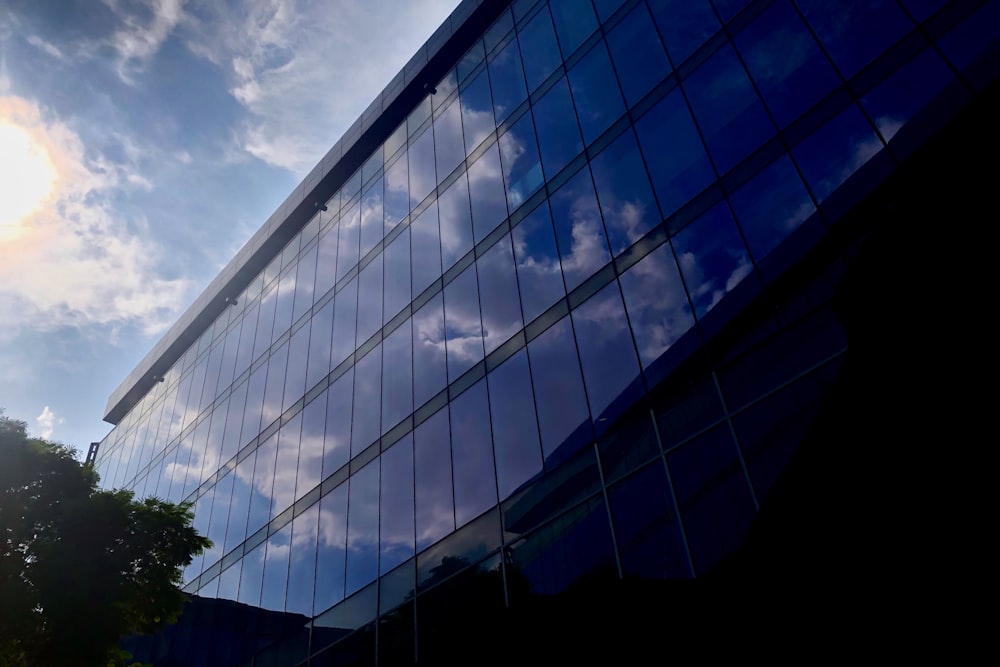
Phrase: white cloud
[74,261]
[47,47]
[143,31]
[47,421]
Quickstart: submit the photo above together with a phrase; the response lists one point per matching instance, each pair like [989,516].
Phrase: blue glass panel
[729,8]
[923,9]
[610,368]
[785,62]
[337,443]
[477,111]
[275,387]
[435,503]
[370,299]
[397,275]
[678,164]
[305,279]
[310,466]
[286,465]
[575,21]
[295,375]
[425,237]
[331,555]
[234,420]
[371,216]
[456,222]
[229,583]
[220,517]
[539,49]
[558,132]
[657,306]
[835,151]
[507,80]
[320,338]
[624,193]
[265,320]
[275,578]
[247,331]
[255,399]
[489,203]
[430,370]
[728,110]
[263,483]
[397,376]
[501,308]
[712,258]
[422,175]
[463,328]
[397,192]
[606,8]
[472,454]
[684,24]
[285,300]
[522,166]
[515,433]
[470,60]
[345,319]
[251,576]
[362,528]
[537,257]
[367,401]
[350,236]
[638,54]
[302,562]
[396,537]
[646,526]
[448,143]
[771,206]
[855,33]
[595,90]
[576,215]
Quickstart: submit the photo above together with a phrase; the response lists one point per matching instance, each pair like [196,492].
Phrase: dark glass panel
[610,371]
[712,257]
[629,446]
[275,579]
[221,509]
[515,433]
[397,376]
[250,577]
[275,387]
[646,526]
[337,443]
[239,508]
[286,465]
[575,21]
[468,63]
[855,33]
[501,308]
[234,420]
[605,8]
[310,467]
[425,239]
[435,502]
[370,299]
[477,111]
[398,587]
[305,278]
[397,192]
[396,537]
[449,145]
[583,245]
[326,263]
[637,53]
[456,222]
[367,403]
[771,206]
[295,375]
[247,331]
[362,527]
[372,166]
[430,369]
[624,193]
[345,320]
[522,166]
[472,454]
[716,505]
[732,119]
[422,175]
[537,257]
[350,236]
[684,24]
[332,553]
[226,375]
[320,339]
[539,50]
[685,406]
[397,635]
[595,91]
[923,9]
[657,307]
[371,216]
[786,63]
[507,79]
[558,132]
[463,328]
[729,8]
[563,419]
[835,151]
[285,301]
[678,164]
[459,550]
[489,203]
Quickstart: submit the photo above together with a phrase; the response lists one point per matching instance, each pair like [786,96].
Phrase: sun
[27,178]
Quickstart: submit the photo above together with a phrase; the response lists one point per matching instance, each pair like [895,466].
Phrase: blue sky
[142,142]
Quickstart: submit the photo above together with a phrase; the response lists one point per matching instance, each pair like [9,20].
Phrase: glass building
[556,311]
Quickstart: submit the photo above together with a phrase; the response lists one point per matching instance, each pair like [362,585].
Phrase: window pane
[397,192]
[350,235]
[583,246]
[425,237]
[558,133]
[362,527]
[422,175]
[448,143]
[477,111]
[489,203]
[638,54]
[463,327]
[435,504]
[472,454]
[501,308]
[575,21]
[372,222]
[345,318]
[595,91]
[855,33]
[332,552]
[522,166]
[397,376]
[337,442]
[836,150]
[537,257]
[515,434]
[367,401]
[302,562]
[624,192]
[456,222]
[430,370]
[684,24]
[507,79]
[396,543]
[397,275]
[539,49]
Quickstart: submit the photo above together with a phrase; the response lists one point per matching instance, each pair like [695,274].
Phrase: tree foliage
[80,568]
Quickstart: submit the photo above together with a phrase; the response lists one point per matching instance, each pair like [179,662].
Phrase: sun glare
[27,178]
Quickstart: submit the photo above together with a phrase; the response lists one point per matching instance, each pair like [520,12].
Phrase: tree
[81,568]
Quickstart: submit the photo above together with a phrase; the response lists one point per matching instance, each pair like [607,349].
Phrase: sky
[142,143]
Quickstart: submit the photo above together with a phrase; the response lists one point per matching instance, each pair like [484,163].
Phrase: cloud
[144,29]
[47,47]
[47,421]
[73,261]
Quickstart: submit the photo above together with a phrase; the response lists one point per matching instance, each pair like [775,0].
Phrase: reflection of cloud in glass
[588,250]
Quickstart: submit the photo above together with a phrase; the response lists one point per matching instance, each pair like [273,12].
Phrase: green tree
[81,568]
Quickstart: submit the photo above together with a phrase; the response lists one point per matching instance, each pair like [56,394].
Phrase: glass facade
[532,338]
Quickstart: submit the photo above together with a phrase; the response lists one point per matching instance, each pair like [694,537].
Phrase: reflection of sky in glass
[515,434]
[489,204]
[472,454]
[684,24]
[463,328]
[435,504]
[522,165]
[537,257]
[595,91]
[558,133]
[624,193]
[507,79]
[477,111]
[854,33]
[539,49]
[430,371]
[835,151]
[396,536]
[362,527]
[337,439]
[456,222]
[579,230]
[637,53]
[331,554]
[501,307]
